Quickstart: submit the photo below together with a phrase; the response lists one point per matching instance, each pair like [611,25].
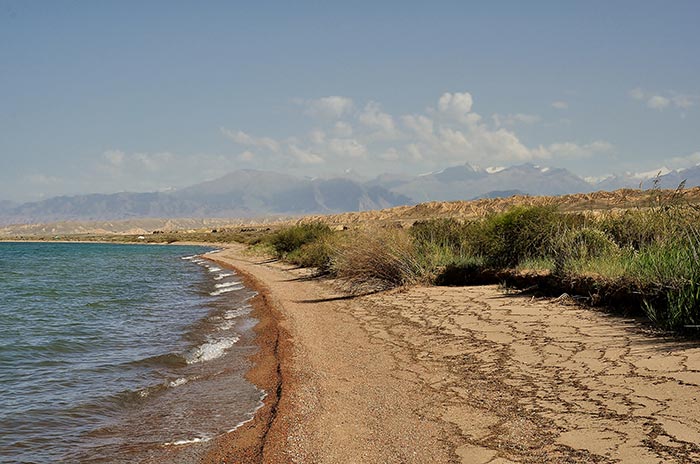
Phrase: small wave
[214,251]
[226,284]
[251,415]
[177,382]
[169,360]
[214,269]
[238,312]
[210,350]
[189,258]
[187,441]
[223,275]
[221,291]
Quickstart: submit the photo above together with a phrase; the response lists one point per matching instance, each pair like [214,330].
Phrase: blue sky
[142,96]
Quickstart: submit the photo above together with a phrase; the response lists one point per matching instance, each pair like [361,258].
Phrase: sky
[148,96]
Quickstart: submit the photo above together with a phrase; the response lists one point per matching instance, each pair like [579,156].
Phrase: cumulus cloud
[421,125]
[342,129]
[560,104]
[457,105]
[447,134]
[373,117]
[333,107]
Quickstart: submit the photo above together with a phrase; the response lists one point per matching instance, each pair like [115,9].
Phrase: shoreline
[248,443]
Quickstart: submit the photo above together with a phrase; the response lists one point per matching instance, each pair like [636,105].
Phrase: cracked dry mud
[473,375]
[536,381]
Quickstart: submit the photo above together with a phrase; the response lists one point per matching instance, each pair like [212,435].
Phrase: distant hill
[245,193]
[254,193]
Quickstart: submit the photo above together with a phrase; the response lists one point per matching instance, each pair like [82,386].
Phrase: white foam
[221,291]
[214,251]
[177,382]
[189,258]
[238,312]
[214,269]
[223,275]
[188,442]
[226,284]
[251,415]
[211,350]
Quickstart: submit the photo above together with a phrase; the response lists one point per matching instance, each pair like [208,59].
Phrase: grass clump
[506,239]
[378,259]
[290,240]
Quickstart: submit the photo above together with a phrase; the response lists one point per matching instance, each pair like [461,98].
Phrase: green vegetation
[644,257]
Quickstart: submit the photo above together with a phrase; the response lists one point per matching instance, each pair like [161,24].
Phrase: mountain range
[252,193]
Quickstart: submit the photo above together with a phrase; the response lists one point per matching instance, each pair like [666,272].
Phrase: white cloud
[421,125]
[332,107]
[683,101]
[391,154]
[456,105]
[451,133]
[317,136]
[305,156]
[347,147]
[342,129]
[574,150]
[658,102]
[637,93]
[560,105]
[663,100]
[681,162]
[243,138]
[373,117]
[114,157]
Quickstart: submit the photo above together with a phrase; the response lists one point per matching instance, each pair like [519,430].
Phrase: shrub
[506,239]
[318,253]
[574,247]
[377,259]
[293,238]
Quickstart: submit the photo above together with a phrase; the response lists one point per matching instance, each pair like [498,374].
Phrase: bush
[577,246]
[378,259]
[292,238]
[506,239]
[318,253]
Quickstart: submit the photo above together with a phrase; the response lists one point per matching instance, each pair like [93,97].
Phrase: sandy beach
[459,374]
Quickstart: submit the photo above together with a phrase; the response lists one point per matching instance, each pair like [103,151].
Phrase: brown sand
[438,374]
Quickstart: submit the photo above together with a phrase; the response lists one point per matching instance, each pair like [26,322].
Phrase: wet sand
[458,374]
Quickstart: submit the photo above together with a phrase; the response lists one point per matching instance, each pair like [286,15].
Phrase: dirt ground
[471,375]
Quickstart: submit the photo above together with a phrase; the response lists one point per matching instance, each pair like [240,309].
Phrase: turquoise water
[109,353]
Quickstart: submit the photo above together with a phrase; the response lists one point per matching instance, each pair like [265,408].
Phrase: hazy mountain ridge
[245,193]
[252,193]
